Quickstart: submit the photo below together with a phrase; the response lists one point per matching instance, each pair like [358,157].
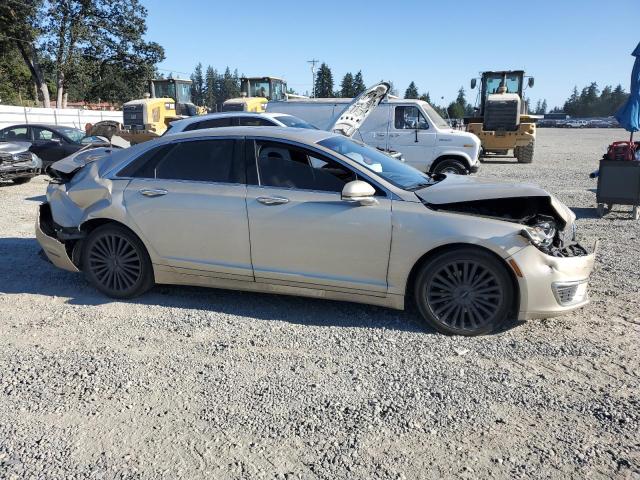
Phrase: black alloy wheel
[465,292]
[116,262]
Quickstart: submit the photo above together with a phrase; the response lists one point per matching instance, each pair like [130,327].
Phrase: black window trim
[251,141]
[113,174]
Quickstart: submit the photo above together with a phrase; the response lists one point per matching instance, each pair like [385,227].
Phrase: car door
[411,134]
[303,233]
[187,199]
[48,145]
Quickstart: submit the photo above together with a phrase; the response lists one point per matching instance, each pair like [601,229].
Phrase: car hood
[14,147]
[79,159]
[359,109]
[458,189]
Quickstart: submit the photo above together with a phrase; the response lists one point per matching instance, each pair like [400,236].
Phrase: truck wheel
[21,180]
[451,165]
[525,154]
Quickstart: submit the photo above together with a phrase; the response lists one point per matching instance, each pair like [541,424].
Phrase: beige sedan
[313,213]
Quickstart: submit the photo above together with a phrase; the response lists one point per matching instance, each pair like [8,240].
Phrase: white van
[411,127]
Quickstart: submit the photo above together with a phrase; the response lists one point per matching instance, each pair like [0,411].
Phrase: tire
[451,165]
[116,262]
[465,291]
[21,180]
[525,154]
[602,209]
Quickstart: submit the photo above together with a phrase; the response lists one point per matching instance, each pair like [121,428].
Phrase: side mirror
[532,82]
[473,83]
[359,192]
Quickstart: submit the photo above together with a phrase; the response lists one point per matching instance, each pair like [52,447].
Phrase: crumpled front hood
[14,147]
[79,159]
[455,189]
[464,188]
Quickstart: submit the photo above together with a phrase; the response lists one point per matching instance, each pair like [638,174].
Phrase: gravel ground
[194,383]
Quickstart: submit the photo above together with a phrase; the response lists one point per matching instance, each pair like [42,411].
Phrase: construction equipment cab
[147,118]
[256,93]
[502,122]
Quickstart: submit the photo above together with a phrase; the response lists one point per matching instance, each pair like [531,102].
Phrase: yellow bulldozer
[148,118]
[502,122]
[256,93]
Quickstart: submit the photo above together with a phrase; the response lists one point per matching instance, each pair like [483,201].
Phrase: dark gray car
[17,163]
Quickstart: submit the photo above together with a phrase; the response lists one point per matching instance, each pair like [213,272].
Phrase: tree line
[93,50]
[591,102]
[211,88]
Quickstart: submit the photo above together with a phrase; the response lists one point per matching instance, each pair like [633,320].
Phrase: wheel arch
[411,279]
[450,156]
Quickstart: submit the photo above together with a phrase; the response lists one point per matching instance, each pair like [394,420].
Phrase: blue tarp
[629,114]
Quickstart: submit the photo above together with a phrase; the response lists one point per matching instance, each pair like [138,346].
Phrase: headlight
[541,234]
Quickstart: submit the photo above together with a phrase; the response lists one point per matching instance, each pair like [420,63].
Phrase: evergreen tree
[198,85]
[543,107]
[324,82]
[426,98]
[411,91]
[347,86]
[358,84]
[211,87]
[455,110]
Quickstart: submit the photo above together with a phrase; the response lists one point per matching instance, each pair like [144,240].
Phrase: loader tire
[525,154]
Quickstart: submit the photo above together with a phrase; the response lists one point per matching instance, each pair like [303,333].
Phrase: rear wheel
[525,154]
[116,262]
[451,165]
[21,180]
[464,292]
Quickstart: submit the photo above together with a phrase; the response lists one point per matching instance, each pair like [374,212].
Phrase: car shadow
[585,212]
[38,198]
[25,270]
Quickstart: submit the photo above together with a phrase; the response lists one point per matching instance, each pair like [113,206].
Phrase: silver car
[313,213]
[236,119]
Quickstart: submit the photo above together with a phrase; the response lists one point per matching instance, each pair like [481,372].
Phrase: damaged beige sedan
[313,213]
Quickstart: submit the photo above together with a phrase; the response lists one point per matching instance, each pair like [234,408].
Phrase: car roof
[199,118]
[305,135]
[52,126]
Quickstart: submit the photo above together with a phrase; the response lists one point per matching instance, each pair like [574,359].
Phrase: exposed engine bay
[546,229]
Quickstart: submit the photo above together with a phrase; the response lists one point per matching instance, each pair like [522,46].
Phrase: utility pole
[313,76]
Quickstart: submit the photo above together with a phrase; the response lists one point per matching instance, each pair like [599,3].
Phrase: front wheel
[464,292]
[525,154]
[116,262]
[451,165]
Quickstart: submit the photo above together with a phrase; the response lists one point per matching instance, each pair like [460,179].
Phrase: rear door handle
[272,200]
[153,192]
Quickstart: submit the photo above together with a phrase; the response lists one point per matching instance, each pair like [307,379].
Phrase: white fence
[70,117]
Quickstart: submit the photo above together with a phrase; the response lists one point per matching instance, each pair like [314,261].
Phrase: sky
[440,45]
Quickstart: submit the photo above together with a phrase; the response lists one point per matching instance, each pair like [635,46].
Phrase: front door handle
[273,200]
[153,192]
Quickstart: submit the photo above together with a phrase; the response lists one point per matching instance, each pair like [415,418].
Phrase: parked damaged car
[17,163]
[313,213]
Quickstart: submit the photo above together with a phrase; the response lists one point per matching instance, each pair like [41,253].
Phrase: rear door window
[210,123]
[255,122]
[17,133]
[210,160]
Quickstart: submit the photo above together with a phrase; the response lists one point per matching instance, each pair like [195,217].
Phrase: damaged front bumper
[54,249]
[551,286]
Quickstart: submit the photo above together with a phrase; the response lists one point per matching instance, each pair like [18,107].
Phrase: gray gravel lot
[195,383]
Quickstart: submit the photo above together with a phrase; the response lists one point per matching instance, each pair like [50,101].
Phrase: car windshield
[435,117]
[294,122]
[72,133]
[394,171]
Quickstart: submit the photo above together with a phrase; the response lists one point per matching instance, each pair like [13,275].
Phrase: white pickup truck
[411,127]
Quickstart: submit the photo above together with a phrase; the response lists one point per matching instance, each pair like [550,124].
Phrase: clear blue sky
[438,44]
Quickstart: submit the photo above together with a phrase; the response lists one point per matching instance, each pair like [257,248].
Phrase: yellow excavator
[148,118]
[256,92]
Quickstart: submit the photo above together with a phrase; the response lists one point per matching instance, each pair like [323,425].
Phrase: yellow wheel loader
[502,122]
[148,118]
[256,93]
